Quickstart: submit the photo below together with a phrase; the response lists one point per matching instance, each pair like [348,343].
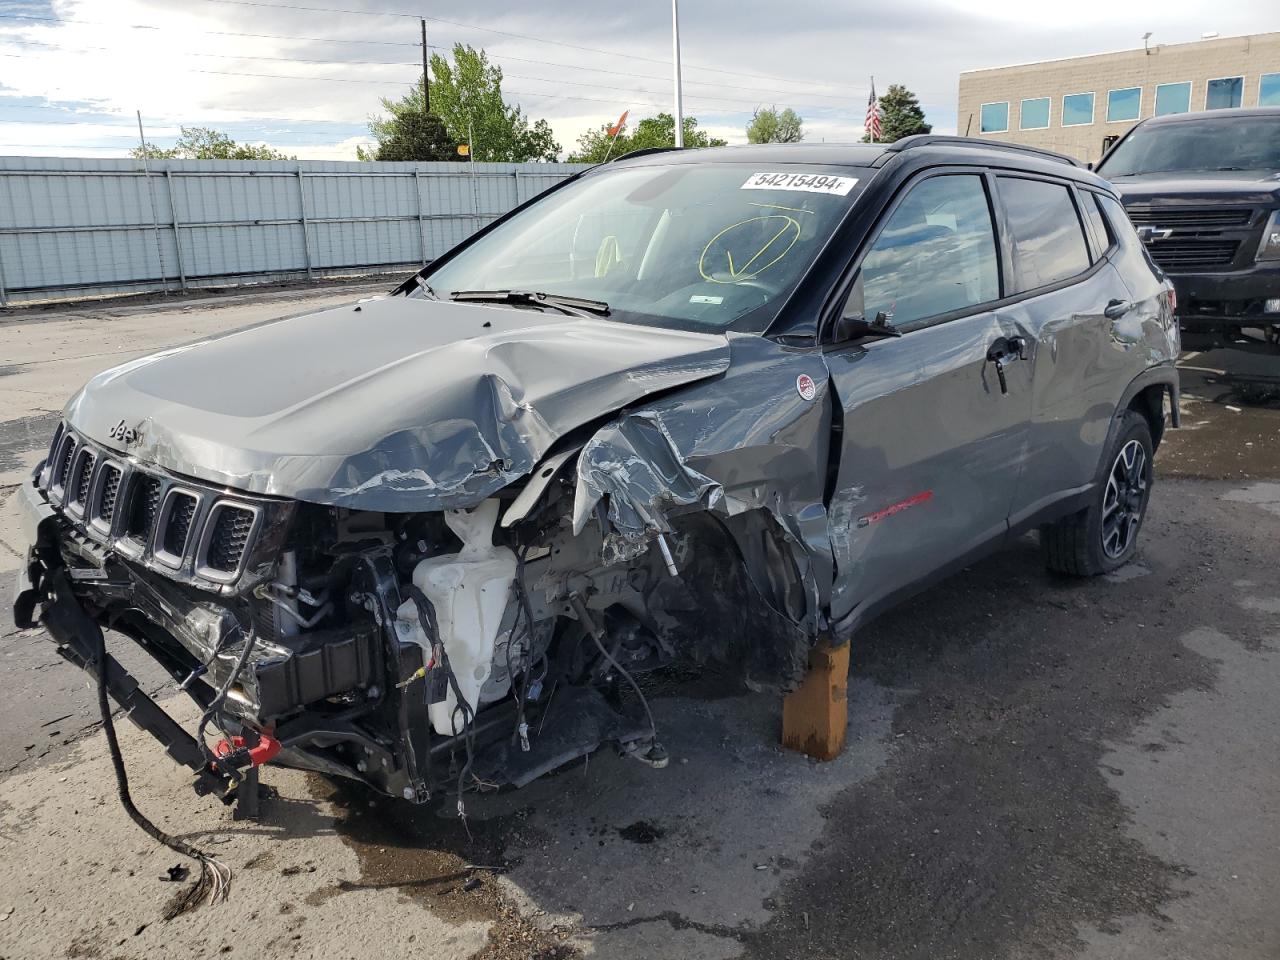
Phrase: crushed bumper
[79,640]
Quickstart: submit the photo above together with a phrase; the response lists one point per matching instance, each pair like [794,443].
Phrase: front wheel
[1104,536]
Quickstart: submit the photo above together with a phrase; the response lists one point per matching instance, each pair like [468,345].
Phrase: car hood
[393,405]
[1234,186]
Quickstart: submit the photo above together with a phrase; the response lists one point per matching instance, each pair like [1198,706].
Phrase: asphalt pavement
[1038,767]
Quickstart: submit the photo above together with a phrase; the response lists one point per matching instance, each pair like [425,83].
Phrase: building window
[1077,109]
[1223,93]
[1269,90]
[1173,98]
[1034,114]
[995,117]
[1124,104]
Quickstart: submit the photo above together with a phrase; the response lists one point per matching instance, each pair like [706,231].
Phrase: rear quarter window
[1102,234]
[1117,220]
[1048,239]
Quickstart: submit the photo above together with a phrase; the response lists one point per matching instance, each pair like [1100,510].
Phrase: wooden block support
[814,715]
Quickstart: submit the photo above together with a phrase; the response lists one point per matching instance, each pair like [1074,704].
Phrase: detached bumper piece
[78,638]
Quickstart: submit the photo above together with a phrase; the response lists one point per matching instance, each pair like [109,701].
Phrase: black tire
[1104,536]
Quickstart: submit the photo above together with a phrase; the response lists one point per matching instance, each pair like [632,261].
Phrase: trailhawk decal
[898,507]
[806,182]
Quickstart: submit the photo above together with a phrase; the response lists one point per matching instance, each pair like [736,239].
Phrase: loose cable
[215,876]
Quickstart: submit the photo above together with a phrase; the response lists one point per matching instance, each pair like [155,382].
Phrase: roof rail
[642,152]
[929,139]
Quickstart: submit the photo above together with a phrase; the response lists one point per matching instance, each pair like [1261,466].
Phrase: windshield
[692,246]
[1194,146]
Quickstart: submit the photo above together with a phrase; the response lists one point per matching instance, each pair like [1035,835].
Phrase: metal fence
[72,227]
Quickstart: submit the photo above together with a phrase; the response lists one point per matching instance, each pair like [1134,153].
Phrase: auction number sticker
[807,182]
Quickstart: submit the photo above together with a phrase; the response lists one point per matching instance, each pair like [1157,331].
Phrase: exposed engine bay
[421,653]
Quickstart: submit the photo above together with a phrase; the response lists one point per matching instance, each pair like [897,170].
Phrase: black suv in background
[1203,190]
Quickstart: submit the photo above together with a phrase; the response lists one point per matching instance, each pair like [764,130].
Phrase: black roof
[1225,113]
[847,154]
[938,148]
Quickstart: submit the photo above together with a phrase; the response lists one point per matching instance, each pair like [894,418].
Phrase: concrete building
[1078,106]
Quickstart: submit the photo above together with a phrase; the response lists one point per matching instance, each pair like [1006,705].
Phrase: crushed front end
[419,653]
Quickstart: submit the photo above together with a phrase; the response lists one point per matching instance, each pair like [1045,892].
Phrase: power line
[212,33]
[624,96]
[765,92]
[411,63]
[506,33]
[220,56]
[402,43]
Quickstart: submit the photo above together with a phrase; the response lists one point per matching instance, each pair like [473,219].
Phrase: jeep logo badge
[125,434]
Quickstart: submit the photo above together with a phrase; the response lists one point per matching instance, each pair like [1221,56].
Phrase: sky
[305,75]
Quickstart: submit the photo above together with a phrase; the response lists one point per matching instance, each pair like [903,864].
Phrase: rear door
[931,443]
[1067,286]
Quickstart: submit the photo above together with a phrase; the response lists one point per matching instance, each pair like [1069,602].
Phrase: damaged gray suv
[687,407]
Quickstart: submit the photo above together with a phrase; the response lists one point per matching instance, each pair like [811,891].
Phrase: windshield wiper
[576,306]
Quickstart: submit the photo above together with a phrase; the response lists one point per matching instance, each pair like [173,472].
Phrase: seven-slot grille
[151,517]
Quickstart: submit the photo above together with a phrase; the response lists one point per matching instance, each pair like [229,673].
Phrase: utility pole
[151,200]
[426,83]
[675,54]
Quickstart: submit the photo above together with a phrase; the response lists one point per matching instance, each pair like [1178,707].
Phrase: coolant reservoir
[469,590]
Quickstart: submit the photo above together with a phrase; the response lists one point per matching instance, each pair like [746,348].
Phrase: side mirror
[1089,165]
[860,328]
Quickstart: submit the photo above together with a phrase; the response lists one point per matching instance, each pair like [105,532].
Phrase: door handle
[1004,351]
[1116,309]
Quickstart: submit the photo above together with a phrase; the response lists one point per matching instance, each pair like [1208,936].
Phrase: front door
[933,430]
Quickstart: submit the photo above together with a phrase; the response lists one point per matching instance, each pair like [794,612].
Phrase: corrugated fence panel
[74,226]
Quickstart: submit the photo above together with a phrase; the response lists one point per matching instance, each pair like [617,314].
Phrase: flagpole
[675,55]
[612,141]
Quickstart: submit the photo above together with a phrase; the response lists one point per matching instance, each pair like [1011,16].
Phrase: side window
[1117,220]
[1048,241]
[936,253]
[1103,238]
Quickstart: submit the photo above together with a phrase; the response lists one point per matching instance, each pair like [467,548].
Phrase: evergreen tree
[900,115]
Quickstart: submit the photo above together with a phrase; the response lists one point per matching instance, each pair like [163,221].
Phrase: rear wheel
[1104,536]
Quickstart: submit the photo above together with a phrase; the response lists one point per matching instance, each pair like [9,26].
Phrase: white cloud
[178,64]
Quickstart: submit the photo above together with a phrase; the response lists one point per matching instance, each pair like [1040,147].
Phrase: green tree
[768,125]
[204,143]
[900,115]
[659,131]
[409,133]
[467,106]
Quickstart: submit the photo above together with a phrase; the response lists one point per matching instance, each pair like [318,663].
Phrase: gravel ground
[1037,768]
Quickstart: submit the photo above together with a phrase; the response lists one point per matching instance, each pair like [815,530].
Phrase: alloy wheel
[1124,499]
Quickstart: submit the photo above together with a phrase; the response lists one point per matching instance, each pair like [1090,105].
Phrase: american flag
[872,122]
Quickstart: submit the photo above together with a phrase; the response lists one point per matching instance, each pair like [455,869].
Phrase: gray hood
[395,405]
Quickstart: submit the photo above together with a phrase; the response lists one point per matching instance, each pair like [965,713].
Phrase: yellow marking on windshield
[778,206]
[788,234]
